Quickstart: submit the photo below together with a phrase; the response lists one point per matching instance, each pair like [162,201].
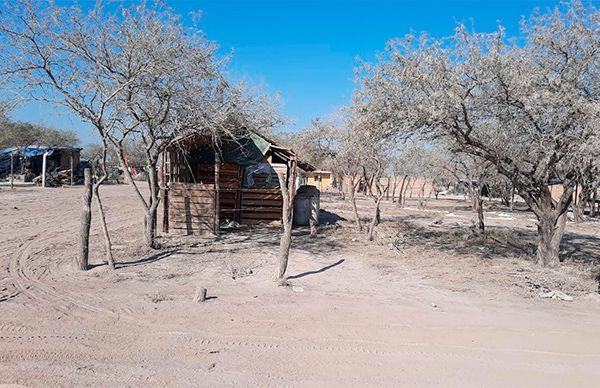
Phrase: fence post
[86,221]
[72,166]
[44,165]
[12,166]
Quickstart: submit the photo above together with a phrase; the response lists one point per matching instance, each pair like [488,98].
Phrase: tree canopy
[21,134]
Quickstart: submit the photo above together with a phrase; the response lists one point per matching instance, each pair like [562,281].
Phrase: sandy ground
[423,305]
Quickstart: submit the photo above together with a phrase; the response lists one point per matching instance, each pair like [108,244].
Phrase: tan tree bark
[288,192]
[354,185]
[551,215]
[107,243]
[402,191]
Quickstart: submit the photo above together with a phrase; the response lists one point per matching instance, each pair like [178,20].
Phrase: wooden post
[86,221]
[164,192]
[44,162]
[165,210]
[217,192]
[12,167]
[72,172]
[313,218]
[200,295]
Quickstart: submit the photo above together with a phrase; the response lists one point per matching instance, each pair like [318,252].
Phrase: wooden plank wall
[260,205]
[230,181]
[191,208]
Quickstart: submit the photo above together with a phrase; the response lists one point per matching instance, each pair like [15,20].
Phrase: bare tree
[59,55]
[328,143]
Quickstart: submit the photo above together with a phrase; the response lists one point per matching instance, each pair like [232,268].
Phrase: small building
[321,179]
[31,159]
[57,158]
[248,192]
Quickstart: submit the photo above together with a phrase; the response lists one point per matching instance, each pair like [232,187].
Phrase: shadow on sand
[307,273]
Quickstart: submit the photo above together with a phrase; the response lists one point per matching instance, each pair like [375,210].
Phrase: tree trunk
[512,198]
[288,192]
[401,191]
[86,222]
[551,215]
[375,220]
[370,186]
[550,232]
[578,205]
[480,220]
[387,192]
[593,203]
[505,199]
[355,209]
[150,227]
[341,188]
[107,243]
[411,184]
[313,226]
[152,207]
[406,187]
[353,188]
[421,194]
[284,250]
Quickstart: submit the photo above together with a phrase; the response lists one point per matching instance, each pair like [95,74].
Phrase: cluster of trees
[520,113]
[136,73]
[22,134]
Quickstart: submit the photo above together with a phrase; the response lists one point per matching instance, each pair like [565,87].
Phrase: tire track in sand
[27,283]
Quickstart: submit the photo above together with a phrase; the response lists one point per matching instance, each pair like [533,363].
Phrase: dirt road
[358,314]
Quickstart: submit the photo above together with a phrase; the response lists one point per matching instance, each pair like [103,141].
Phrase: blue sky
[306,50]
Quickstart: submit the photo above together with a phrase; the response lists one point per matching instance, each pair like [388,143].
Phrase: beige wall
[412,186]
[557,190]
[321,181]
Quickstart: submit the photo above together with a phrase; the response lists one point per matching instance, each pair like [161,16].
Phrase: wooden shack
[248,186]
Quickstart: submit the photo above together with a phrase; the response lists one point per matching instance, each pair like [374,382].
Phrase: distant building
[321,179]
[31,159]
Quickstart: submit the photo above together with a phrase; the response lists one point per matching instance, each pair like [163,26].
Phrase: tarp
[7,157]
[261,143]
[245,152]
[30,152]
[9,150]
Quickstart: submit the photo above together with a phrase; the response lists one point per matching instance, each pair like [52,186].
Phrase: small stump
[200,295]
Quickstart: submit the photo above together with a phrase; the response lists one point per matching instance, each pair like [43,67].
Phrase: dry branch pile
[57,179]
